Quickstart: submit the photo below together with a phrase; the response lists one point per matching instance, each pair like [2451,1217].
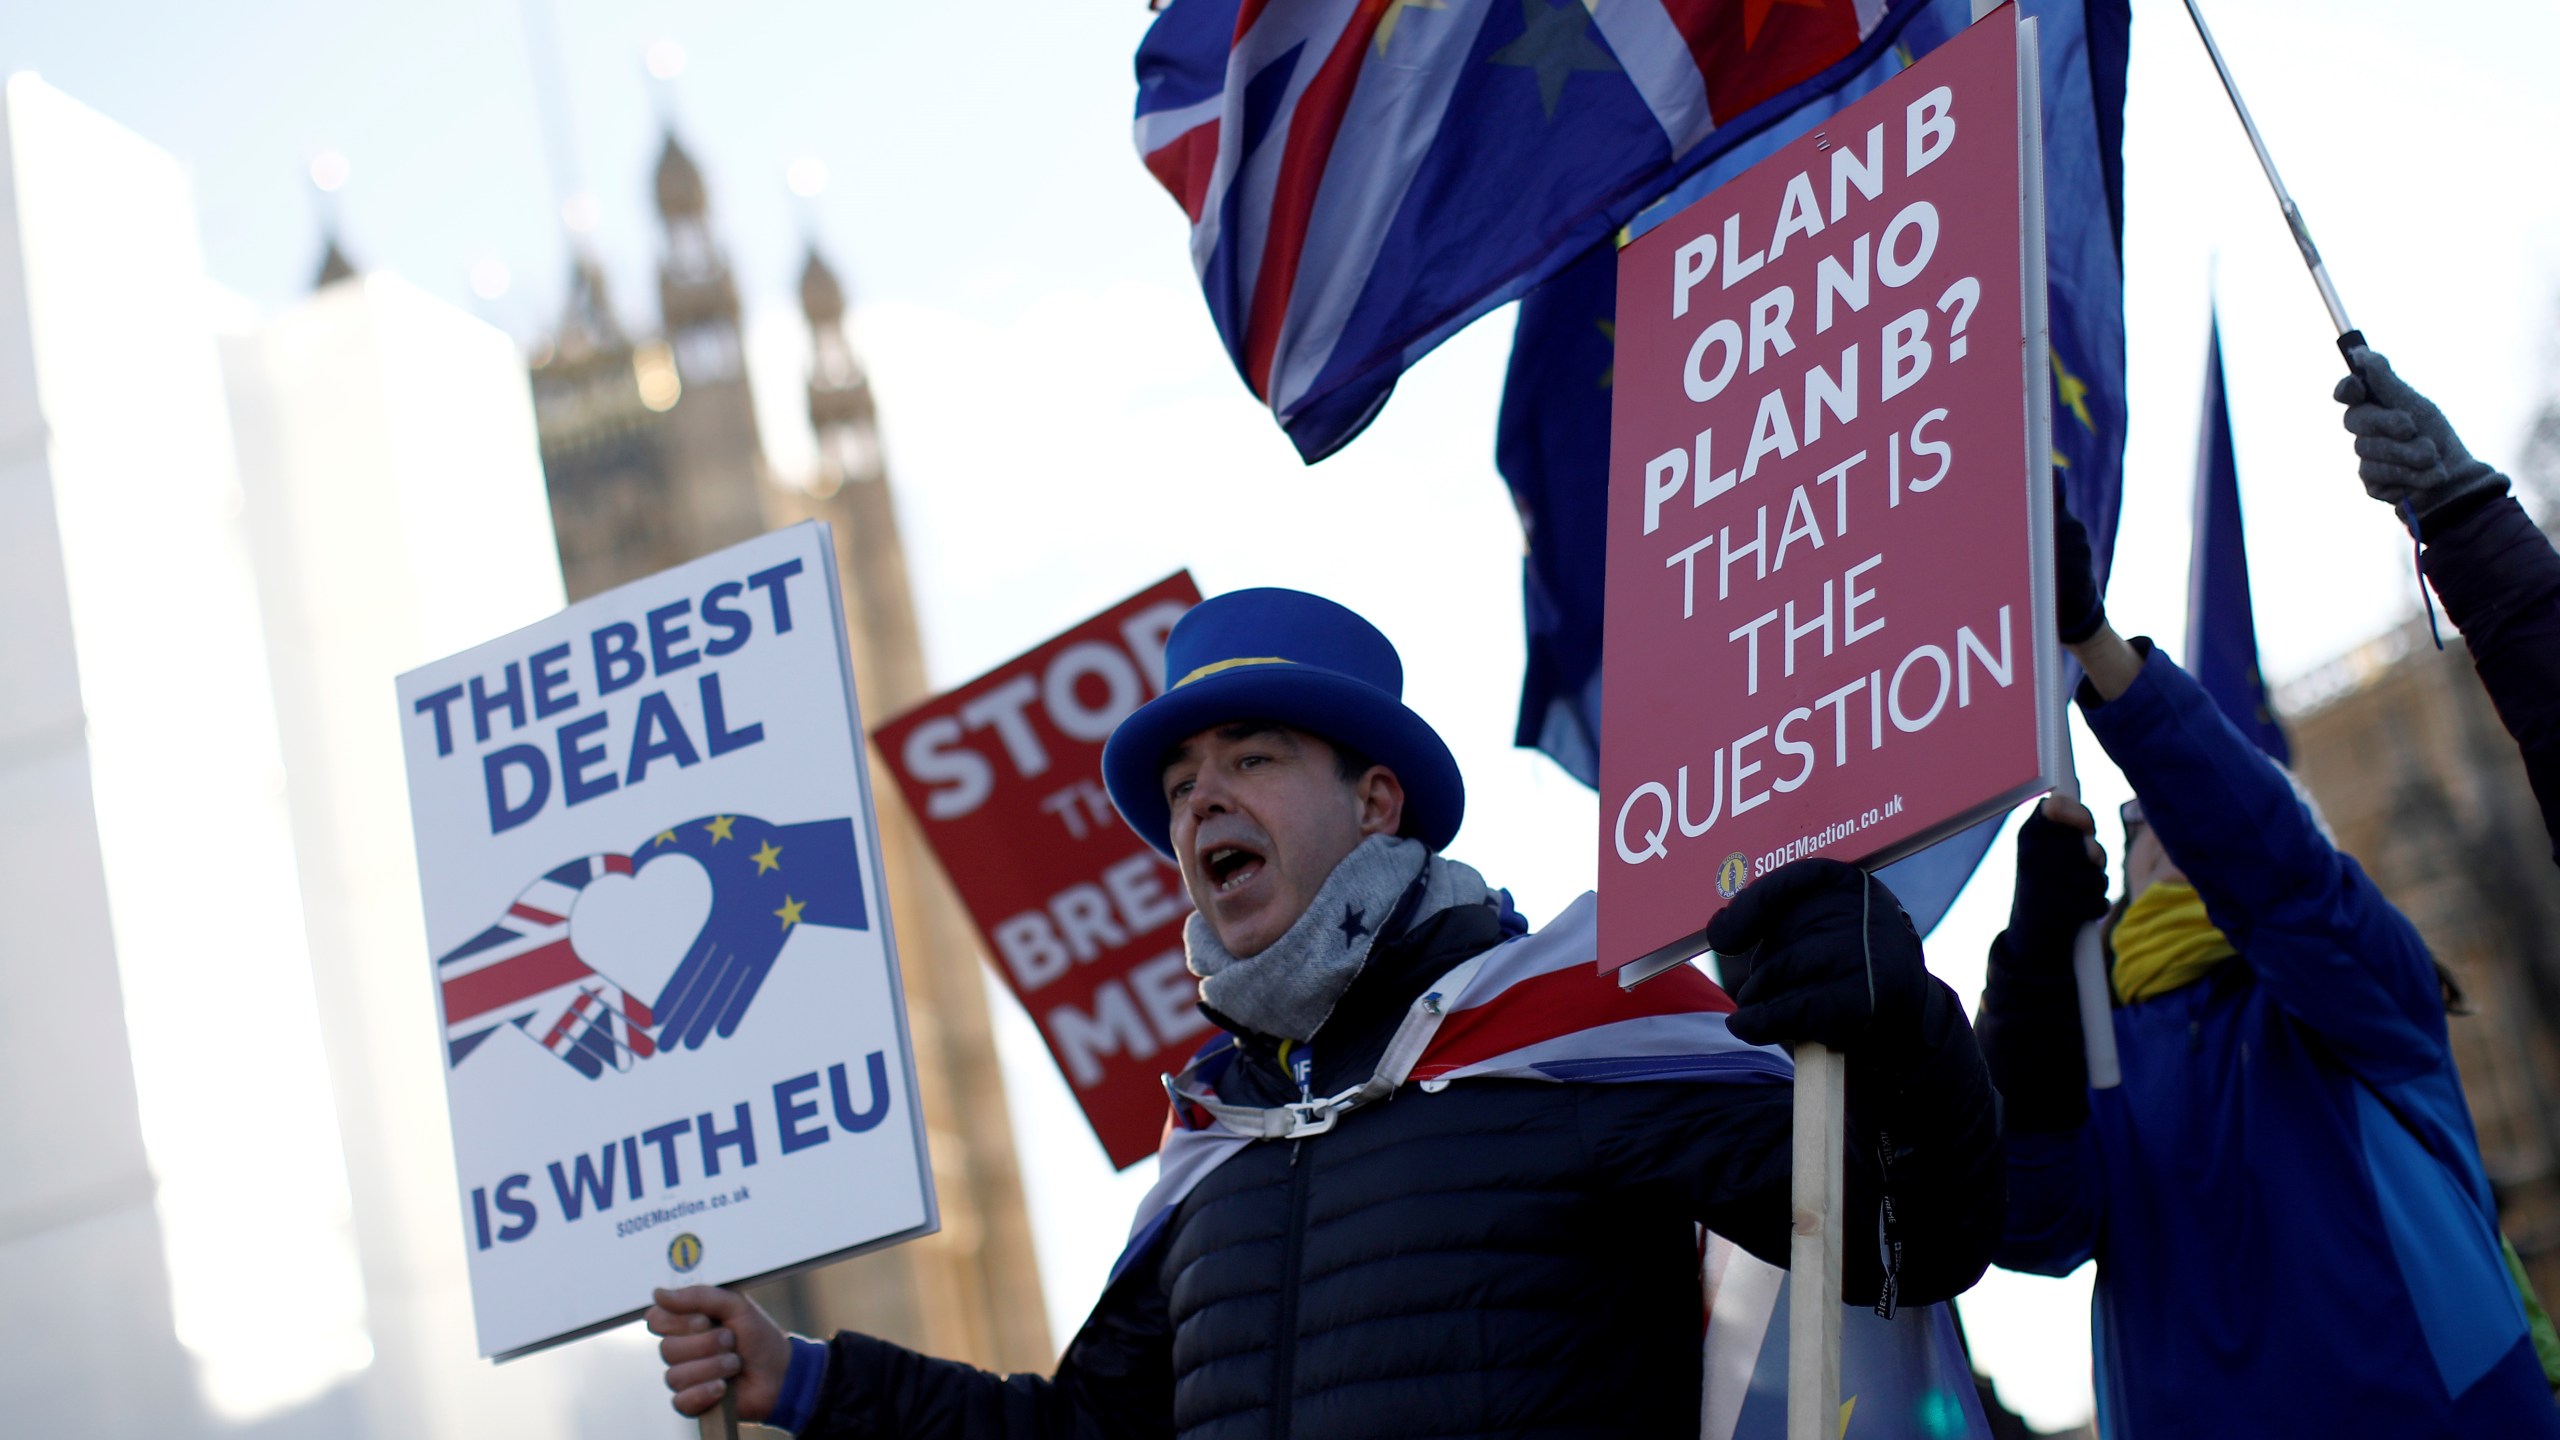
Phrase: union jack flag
[524,971]
[1365,177]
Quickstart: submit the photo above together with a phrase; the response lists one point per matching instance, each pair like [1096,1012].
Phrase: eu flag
[2222,628]
[766,881]
[1553,447]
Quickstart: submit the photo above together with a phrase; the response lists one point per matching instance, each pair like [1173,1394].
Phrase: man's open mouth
[1230,866]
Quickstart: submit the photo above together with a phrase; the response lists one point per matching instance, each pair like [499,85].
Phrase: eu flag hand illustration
[766,881]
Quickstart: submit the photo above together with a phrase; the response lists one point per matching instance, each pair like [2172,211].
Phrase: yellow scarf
[2165,941]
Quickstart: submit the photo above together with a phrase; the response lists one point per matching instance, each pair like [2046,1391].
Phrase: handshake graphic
[607,960]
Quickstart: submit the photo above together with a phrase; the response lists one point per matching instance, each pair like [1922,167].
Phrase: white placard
[675,1040]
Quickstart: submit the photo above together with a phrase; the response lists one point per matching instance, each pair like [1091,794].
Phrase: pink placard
[1826,633]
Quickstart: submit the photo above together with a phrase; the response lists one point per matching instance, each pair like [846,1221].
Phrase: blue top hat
[1298,660]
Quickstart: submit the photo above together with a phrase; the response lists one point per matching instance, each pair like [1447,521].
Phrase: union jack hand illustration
[526,971]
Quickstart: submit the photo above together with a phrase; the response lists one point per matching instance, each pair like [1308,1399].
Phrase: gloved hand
[2077,610]
[2407,453]
[1833,959]
[2030,1016]
[2062,885]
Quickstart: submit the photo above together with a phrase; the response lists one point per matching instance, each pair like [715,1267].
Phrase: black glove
[2059,890]
[2407,453]
[2030,1017]
[2077,610]
[1833,960]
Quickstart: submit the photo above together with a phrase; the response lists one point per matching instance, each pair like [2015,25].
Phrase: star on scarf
[1555,43]
[1351,927]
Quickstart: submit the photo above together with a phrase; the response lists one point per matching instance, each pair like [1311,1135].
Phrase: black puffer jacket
[1501,1258]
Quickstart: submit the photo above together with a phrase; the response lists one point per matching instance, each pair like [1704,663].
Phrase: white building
[227,1201]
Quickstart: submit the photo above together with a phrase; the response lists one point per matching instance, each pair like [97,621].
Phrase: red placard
[1083,921]
[1827,604]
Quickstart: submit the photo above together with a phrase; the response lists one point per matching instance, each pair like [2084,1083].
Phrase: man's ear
[1380,796]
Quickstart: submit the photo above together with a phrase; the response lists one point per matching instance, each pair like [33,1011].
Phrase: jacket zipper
[1292,1253]
[1285,1368]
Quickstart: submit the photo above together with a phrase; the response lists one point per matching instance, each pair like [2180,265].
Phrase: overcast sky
[1063,429]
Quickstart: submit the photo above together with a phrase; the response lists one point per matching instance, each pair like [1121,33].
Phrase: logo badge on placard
[1733,874]
[684,1252]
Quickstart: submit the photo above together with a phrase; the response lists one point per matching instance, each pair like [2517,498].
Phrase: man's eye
[1180,789]
[1250,761]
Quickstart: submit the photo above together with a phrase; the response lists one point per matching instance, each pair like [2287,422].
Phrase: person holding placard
[2285,1200]
[1437,1175]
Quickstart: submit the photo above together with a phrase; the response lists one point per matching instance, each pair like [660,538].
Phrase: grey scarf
[1290,987]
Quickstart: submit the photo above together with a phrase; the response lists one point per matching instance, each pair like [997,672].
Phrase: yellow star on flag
[2074,392]
[719,828]
[768,858]
[1554,43]
[665,837]
[1395,12]
[790,911]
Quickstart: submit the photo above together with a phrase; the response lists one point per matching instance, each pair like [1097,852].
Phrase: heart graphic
[634,930]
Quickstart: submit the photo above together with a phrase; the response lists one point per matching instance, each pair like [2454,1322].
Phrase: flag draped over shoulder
[1535,1008]
[1553,447]
[2222,626]
[1365,177]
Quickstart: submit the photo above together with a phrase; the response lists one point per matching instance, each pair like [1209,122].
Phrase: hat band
[1205,671]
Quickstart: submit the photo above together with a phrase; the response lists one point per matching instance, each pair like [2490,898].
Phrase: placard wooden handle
[1813,1271]
[722,1423]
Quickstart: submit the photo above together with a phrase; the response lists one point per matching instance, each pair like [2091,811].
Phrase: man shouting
[1437,1176]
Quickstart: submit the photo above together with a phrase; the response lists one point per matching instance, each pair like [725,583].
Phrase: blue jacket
[2293,1232]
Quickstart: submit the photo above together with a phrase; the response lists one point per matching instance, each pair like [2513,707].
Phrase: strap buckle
[1313,1117]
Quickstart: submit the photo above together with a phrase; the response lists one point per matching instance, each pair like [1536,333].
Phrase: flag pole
[2088,959]
[2349,337]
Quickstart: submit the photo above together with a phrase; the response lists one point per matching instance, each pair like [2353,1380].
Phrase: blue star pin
[1352,929]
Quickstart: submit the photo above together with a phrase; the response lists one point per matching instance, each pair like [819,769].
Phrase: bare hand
[716,1339]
